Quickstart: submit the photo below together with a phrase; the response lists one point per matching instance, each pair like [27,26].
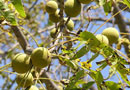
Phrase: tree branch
[22,40]
[33,5]
[122,25]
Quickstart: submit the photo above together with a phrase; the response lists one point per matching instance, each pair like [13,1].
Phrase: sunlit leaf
[112,85]
[90,38]
[107,5]
[19,7]
[7,14]
[10,34]
[88,85]
[103,65]
[93,57]
[79,82]
[92,74]
[99,77]
[84,50]
[127,2]
[74,79]
[123,73]
[72,64]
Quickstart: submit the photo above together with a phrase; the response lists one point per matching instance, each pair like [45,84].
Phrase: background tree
[65,33]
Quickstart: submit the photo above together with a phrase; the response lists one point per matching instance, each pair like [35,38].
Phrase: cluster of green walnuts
[23,63]
[110,36]
[72,8]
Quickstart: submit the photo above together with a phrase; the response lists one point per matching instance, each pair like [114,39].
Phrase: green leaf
[121,68]
[81,52]
[127,2]
[106,50]
[11,19]
[79,75]
[88,36]
[81,43]
[104,64]
[7,14]
[19,7]
[74,79]
[72,64]
[88,85]
[93,57]
[112,85]
[80,82]
[99,78]
[107,5]
[92,74]
[123,72]
[123,61]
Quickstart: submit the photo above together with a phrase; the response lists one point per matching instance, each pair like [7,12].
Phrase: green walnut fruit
[112,34]
[24,80]
[41,57]
[21,63]
[70,24]
[72,8]
[85,1]
[125,41]
[102,38]
[32,88]
[51,7]
[55,17]
[53,33]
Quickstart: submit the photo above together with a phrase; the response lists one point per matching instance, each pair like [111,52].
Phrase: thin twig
[33,5]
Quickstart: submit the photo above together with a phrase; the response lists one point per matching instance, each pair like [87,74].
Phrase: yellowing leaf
[9,34]
[86,65]
[77,60]
[11,6]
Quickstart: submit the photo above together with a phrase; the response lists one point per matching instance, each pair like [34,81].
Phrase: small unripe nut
[53,33]
[72,8]
[24,80]
[51,7]
[70,24]
[102,38]
[41,57]
[112,34]
[125,41]
[21,63]
[55,17]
